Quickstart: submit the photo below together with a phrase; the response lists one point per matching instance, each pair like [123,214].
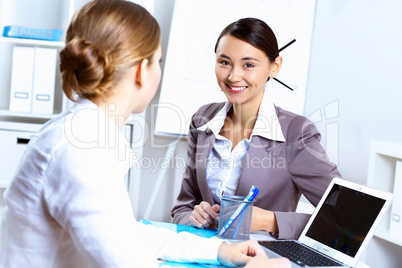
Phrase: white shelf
[381,173]
[384,234]
[32,42]
[38,14]
[9,113]
[16,126]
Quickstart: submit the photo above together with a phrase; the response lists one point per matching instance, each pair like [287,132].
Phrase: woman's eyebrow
[223,56]
[243,59]
[250,58]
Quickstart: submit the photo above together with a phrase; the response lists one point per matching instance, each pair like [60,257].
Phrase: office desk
[254,236]
[209,233]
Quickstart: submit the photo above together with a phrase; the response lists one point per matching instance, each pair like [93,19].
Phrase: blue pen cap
[252,194]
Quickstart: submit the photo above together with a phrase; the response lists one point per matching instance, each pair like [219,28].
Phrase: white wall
[355,61]
[354,85]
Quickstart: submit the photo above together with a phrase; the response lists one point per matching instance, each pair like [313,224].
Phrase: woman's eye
[248,65]
[224,62]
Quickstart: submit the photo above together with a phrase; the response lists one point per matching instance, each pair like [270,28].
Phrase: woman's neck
[244,115]
[240,121]
[114,109]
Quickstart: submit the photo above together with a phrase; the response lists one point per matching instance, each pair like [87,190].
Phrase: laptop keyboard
[299,253]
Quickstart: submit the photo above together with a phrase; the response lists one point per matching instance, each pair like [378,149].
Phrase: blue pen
[239,222]
[241,218]
[250,197]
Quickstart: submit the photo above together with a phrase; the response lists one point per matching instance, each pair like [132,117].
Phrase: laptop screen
[344,219]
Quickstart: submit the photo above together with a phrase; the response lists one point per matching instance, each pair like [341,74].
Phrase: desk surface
[210,233]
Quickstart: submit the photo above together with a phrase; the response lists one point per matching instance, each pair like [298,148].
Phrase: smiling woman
[253,135]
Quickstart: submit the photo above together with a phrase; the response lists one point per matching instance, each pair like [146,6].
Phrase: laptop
[339,228]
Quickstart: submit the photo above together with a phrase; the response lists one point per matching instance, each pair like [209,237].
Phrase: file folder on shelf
[22,79]
[30,33]
[44,80]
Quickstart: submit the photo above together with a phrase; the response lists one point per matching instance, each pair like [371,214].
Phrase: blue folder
[207,233]
[30,33]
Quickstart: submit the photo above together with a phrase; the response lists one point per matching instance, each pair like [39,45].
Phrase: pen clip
[252,194]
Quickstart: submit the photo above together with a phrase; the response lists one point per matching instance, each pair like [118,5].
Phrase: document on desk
[207,233]
[169,264]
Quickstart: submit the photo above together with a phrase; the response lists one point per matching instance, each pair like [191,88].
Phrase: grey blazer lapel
[205,142]
[258,164]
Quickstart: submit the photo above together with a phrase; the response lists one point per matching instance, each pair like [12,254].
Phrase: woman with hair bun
[67,205]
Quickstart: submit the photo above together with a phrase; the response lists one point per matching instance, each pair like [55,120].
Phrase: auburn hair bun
[86,70]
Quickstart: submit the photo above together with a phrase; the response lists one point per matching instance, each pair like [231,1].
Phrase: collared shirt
[67,205]
[224,165]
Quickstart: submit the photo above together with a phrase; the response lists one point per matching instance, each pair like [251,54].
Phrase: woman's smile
[236,89]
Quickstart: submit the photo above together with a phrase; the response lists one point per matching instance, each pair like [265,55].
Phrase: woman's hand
[263,220]
[248,252]
[205,216]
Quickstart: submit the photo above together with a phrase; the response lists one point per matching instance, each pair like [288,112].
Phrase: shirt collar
[83,103]
[216,123]
[266,126]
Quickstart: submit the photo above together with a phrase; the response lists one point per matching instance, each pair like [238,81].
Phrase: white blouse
[67,205]
[224,165]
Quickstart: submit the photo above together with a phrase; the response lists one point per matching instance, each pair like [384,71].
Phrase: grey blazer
[282,171]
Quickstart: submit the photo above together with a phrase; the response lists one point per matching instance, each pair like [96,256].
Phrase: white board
[189,77]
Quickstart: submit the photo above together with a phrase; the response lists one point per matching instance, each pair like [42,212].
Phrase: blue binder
[31,33]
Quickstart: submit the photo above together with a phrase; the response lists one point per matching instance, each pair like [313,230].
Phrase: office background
[354,95]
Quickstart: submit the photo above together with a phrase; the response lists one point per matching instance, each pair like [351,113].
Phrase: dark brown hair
[104,39]
[255,32]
